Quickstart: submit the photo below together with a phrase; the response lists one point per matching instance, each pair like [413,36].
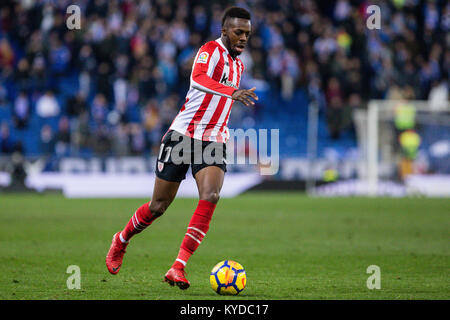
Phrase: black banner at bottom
[219,309]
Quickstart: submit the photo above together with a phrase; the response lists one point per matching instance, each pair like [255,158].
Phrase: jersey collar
[220,42]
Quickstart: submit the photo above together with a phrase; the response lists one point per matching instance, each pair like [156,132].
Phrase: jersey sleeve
[207,63]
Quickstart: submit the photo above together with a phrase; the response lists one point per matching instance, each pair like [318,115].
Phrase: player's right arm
[202,77]
[204,70]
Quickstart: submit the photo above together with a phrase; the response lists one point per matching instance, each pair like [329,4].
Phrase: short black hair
[235,12]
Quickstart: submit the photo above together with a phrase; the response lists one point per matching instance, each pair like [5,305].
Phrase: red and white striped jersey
[215,76]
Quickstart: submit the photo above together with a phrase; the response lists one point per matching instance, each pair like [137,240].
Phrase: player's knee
[212,197]
[157,208]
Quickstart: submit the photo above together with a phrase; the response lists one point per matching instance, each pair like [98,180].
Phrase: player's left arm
[245,96]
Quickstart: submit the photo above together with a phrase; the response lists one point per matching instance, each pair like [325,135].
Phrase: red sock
[140,220]
[196,231]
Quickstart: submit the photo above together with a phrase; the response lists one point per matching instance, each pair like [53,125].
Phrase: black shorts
[178,152]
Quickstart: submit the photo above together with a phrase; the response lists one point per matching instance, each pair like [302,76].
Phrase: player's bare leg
[209,183]
[163,194]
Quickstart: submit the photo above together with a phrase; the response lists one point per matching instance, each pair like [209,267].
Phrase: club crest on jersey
[160,166]
[203,57]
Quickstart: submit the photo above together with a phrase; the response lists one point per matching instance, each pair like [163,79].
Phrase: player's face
[236,32]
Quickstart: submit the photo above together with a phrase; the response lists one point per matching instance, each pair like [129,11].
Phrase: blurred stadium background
[86,107]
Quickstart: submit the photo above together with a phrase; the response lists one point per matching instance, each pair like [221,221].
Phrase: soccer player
[200,125]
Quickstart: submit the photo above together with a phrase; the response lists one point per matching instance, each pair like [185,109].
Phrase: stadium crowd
[127,68]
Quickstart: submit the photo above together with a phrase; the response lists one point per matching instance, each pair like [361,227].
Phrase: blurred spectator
[81,132]
[438,96]
[290,74]
[21,111]
[47,140]
[76,105]
[87,65]
[47,18]
[38,74]
[445,20]
[101,140]
[137,139]
[18,173]
[152,125]
[200,19]
[22,75]
[168,112]
[104,80]
[6,141]
[99,109]
[3,97]
[47,105]
[335,101]
[325,44]
[431,15]
[62,138]
[120,140]
[59,56]
[342,10]
[354,102]
[316,94]
[120,88]
[6,53]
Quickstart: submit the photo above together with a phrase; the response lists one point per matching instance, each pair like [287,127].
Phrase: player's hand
[245,96]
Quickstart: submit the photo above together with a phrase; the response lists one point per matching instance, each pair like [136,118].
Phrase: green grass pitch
[292,247]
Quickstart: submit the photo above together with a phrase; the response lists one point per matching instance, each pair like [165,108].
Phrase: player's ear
[224,28]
